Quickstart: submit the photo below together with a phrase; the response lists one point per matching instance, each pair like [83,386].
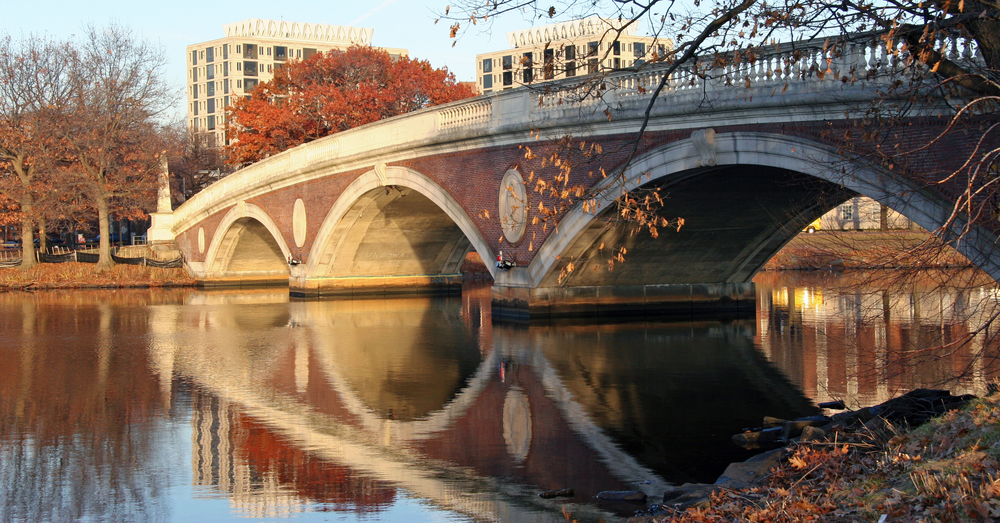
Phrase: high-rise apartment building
[564,50]
[219,70]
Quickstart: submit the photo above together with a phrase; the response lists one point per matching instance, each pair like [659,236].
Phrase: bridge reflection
[427,395]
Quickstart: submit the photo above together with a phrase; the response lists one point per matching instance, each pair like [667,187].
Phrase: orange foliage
[332,92]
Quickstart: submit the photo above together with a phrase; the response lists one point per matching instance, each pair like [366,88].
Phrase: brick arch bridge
[395,206]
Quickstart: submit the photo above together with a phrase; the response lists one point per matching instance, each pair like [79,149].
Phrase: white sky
[175,24]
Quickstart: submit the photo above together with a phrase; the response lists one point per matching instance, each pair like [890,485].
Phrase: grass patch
[74,275]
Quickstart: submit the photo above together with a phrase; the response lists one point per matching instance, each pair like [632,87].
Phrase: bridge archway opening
[248,249]
[736,218]
[409,234]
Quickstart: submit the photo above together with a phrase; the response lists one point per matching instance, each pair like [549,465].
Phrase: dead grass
[946,470]
[73,275]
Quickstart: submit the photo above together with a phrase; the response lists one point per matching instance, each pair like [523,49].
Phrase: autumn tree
[332,92]
[109,125]
[33,85]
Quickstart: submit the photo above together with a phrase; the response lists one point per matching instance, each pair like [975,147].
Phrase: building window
[592,65]
[210,89]
[249,51]
[194,57]
[211,106]
[570,69]
[225,101]
[260,50]
[225,52]
[527,73]
[639,49]
[616,63]
[225,69]
[280,53]
[249,68]
[209,72]
[847,212]
[194,91]
[269,66]
[298,53]
[487,81]
[508,78]
[248,85]
[550,59]
[593,48]
[616,48]
[488,65]
[239,84]
[239,66]
[196,104]
[238,49]
[225,86]
[508,62]
[307,53]
[570,52]
[211,123]
[210,54]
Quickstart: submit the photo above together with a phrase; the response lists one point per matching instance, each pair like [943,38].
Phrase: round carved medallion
[513,206]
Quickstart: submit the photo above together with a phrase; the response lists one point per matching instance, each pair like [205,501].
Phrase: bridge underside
[393,240]
[248,256]
[736,219]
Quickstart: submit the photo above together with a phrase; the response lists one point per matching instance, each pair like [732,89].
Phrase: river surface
[190,405]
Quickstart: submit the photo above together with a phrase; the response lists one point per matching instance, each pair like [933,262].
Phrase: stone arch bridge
[395,206]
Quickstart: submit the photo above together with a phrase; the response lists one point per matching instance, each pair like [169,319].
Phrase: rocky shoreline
[780,438]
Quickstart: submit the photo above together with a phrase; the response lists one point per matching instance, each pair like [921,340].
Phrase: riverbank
[73,275]
[945,470]
[865,250]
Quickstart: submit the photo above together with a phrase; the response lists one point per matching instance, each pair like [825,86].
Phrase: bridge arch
[346,226]
[709,153]
[247,243]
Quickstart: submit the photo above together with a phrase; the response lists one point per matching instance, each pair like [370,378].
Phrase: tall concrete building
[219,70]
[564,50]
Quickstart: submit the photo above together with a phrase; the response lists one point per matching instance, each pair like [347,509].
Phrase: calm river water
[188,405]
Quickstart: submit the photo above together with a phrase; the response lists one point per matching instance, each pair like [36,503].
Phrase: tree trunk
[28,259]
[104,261]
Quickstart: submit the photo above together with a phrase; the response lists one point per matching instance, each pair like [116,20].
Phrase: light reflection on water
[188,405]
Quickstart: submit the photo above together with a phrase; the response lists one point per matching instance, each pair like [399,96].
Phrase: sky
[175,24]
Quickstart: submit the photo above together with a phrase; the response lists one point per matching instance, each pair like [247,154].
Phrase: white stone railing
[811,66]
[475,112]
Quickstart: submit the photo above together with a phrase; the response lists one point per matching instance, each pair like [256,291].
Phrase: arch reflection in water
[483,424]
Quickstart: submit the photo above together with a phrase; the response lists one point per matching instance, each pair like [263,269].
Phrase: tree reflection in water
[80,411]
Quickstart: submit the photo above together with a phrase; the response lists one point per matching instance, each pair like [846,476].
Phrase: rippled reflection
[847,337]
[188,405]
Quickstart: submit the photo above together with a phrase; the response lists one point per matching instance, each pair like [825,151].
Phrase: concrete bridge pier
[672,301]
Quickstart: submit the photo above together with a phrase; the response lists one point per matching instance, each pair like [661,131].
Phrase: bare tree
[195,161]
[109,125]
[33,85]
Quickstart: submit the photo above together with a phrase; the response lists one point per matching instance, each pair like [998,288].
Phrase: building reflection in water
[846,337]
